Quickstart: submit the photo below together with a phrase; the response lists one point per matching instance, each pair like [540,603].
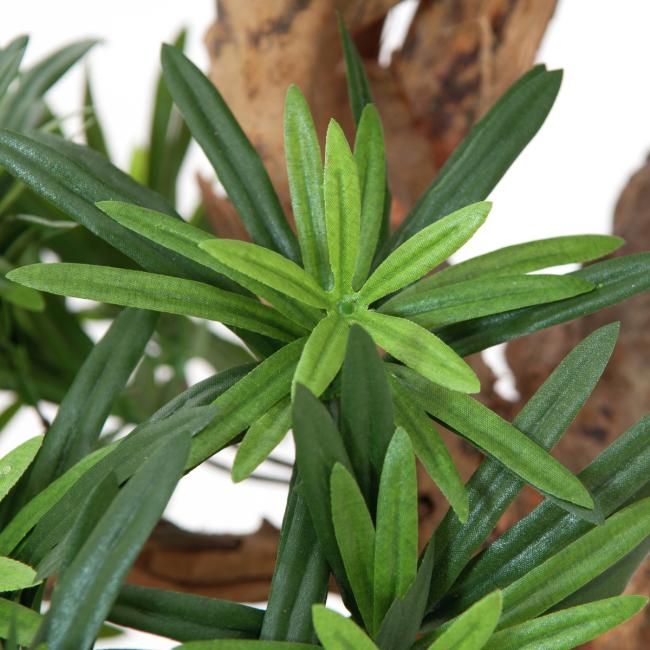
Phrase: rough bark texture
[458,57]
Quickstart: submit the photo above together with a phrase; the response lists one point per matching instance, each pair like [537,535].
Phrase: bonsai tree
[314,307]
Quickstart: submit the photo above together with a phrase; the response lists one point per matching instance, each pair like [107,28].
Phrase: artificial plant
[313,308]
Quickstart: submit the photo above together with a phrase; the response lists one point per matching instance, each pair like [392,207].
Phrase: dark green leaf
[358,86]
[93,130]
[10,58]
[236,162]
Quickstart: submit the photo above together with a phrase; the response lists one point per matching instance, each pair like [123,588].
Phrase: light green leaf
[568,628]
[236,162]
[524,258]
[21,296]
[355,535]
[261,439]
[371,164]
[267,267]
[305,170]
[342,209]
[246,401]
[244,644]
[185,239]
[480,297]
[490,433]
[487,151]
[14,464]
[336,632]
[431,450]
[396,540]
[15,575]
[157,292]
[421,350]
[424,251]
[576,564]
[26,621]
[323,354]
[472,629]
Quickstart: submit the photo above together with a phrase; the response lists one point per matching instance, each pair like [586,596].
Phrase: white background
[567,181]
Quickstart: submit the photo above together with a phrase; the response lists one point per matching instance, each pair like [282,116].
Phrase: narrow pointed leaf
[358,87]
[371,164]
[355,535]
[300,577]
[185,239]
[524,258]
[267,267]
[485,154]
[366,411]
[244,644]
[93,130]
[236,162]
[16,462]
[396,541]
[182,616]
[342,209]
[261,439]
[156,292]
[496,437]
[614,281]
[568,628]
[10,59]
[544,419]
[336,632]
[86,591]
[26,621]
[575,565]
[481,297]
[323,354]
[419,349]
[305,170]
[613,478]
[424,251]
[246,401]
[15,575]
[472,629]
[431,450]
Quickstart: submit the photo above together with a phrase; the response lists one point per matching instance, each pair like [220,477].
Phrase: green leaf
[16,462]
[355,535]
[236,162]
[323,354]
[524,258]
[305,170]
[371,164]
[358,86]
[496,437]
[93,131]
[246,401]
[26,621]
[91,397]
[575,565]
[366,411]
[267,267]
[10,59]
[336,632]
[472,629]
[481,297]
[492,488]
[396,540]
[342,209]
[182,616]
[568,628]
[319,447]
[614,281]
[300,577]
[261,439]
[613,478]
[424,251]
[419,349]
[157,292]
[15,575]
[85,592]
[21,296]
[431,450]
[237,644]
[485,154]
[185,239]
[21,108]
